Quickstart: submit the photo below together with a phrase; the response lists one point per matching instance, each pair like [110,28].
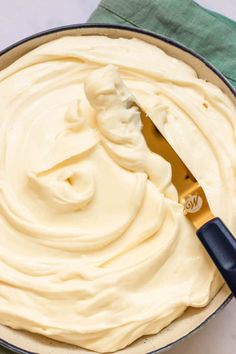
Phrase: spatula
[212,232]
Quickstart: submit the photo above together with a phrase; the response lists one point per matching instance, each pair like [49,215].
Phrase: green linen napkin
[209,34]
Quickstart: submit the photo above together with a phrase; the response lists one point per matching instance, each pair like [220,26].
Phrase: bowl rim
[167,40]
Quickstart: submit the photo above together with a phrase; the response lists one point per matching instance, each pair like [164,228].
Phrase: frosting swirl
[95,250]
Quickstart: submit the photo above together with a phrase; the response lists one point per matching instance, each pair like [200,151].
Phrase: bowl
[193,319]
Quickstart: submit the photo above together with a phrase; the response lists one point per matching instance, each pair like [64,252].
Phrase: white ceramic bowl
[192,319]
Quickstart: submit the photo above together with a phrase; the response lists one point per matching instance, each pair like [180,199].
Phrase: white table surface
[21,18]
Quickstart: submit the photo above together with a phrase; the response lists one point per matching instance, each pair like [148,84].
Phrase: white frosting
[95,250]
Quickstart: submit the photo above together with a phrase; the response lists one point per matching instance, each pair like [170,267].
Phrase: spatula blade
[191,194]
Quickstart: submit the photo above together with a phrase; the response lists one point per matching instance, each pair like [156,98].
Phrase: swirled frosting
[95,250]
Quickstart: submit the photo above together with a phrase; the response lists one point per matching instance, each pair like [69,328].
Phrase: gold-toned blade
[191,194]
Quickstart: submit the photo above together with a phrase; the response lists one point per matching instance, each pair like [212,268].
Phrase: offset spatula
[212,232]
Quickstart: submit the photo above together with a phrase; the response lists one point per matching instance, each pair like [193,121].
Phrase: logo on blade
[192,204]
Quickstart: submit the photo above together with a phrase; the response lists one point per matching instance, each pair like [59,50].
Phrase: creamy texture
[95,250]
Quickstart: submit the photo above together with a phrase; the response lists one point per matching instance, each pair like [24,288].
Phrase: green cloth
[209,34]
[5,351]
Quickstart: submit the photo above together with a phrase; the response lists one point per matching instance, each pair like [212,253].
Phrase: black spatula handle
[221,246]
